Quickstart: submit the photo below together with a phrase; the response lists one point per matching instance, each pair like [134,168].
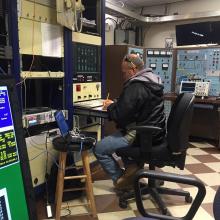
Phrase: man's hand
[106,103]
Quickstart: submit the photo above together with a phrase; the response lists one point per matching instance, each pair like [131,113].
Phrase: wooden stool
[81,146]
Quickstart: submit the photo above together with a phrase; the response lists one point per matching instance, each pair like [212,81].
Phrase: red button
[78,88]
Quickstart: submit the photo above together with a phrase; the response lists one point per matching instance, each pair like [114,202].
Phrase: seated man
[140,103]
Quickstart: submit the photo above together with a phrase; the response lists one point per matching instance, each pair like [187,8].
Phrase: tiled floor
[203,161]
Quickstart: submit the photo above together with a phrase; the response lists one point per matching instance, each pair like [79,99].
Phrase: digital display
[187,87]
[8,146]
[4,205]
[150,52]
[165,66]
[156,52]
[12,197]
[153,65]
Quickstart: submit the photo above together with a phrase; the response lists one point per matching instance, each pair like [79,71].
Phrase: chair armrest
[146,128]
[171,178]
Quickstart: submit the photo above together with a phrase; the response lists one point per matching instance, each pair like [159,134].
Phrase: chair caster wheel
[123,204]
[160,182]
[164,211]
[188,199]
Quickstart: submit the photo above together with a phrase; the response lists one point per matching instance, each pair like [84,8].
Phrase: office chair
[171,152]
[192,181]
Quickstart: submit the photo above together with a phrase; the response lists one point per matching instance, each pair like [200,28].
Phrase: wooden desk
[206,118]
[209,100]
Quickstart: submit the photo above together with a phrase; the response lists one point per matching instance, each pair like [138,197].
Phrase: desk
[94,112]
[206,118]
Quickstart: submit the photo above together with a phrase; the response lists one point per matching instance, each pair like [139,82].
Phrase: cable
[46,168]
[25,95]
[67,209]
[78,29]
[22,81]
[36,156]
[81,146]
[116,23]
[2,71]
[34,144]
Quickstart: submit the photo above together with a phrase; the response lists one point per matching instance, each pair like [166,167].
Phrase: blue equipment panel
[199,64]
[161,62]
[136,50]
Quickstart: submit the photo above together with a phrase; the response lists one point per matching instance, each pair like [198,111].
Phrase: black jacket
[140,103]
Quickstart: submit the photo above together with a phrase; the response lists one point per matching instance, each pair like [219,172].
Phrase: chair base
[154,193]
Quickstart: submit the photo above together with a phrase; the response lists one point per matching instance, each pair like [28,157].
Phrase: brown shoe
[131,170]
[126,180]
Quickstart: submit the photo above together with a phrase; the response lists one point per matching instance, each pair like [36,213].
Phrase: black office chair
[192,181]
[171,152]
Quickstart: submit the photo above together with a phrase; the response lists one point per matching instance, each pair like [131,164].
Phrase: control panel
[136,50]
[202,89]
[161,62]
[199,65]
[195,87]
[31,119]
[86,91]
[86,63]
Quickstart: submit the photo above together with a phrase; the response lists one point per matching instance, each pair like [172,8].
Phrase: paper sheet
[51,40]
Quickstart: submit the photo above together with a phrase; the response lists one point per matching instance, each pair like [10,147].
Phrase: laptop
[65,131]
[61,122]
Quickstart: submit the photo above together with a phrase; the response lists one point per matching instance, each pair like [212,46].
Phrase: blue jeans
[104,150]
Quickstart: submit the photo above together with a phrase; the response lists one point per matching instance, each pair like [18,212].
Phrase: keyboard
[90,103]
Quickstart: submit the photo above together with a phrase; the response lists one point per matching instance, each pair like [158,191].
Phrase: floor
[203,161]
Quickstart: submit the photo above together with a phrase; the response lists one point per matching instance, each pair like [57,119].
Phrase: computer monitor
[16,191]
[187,87]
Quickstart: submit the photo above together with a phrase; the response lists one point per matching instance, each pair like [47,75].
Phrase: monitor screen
[13,169]
[61,122]
[198,33]
[187,87]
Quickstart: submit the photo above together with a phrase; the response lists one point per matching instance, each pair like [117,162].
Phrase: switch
[78,88]
[97,87]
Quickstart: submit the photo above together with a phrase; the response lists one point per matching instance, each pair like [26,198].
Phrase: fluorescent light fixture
[197,34]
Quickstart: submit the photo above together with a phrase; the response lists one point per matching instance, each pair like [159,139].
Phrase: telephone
[68,13]
[74,4]
[79,6]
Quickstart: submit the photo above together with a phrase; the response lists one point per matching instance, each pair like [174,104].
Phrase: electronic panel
[199,65]
[86,63]
[161,62]
[136,50]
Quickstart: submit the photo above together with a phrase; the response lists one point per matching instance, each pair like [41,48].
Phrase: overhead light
[197,34]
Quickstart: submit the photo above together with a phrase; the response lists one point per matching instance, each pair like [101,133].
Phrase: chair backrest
[216,205]
[179,121]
